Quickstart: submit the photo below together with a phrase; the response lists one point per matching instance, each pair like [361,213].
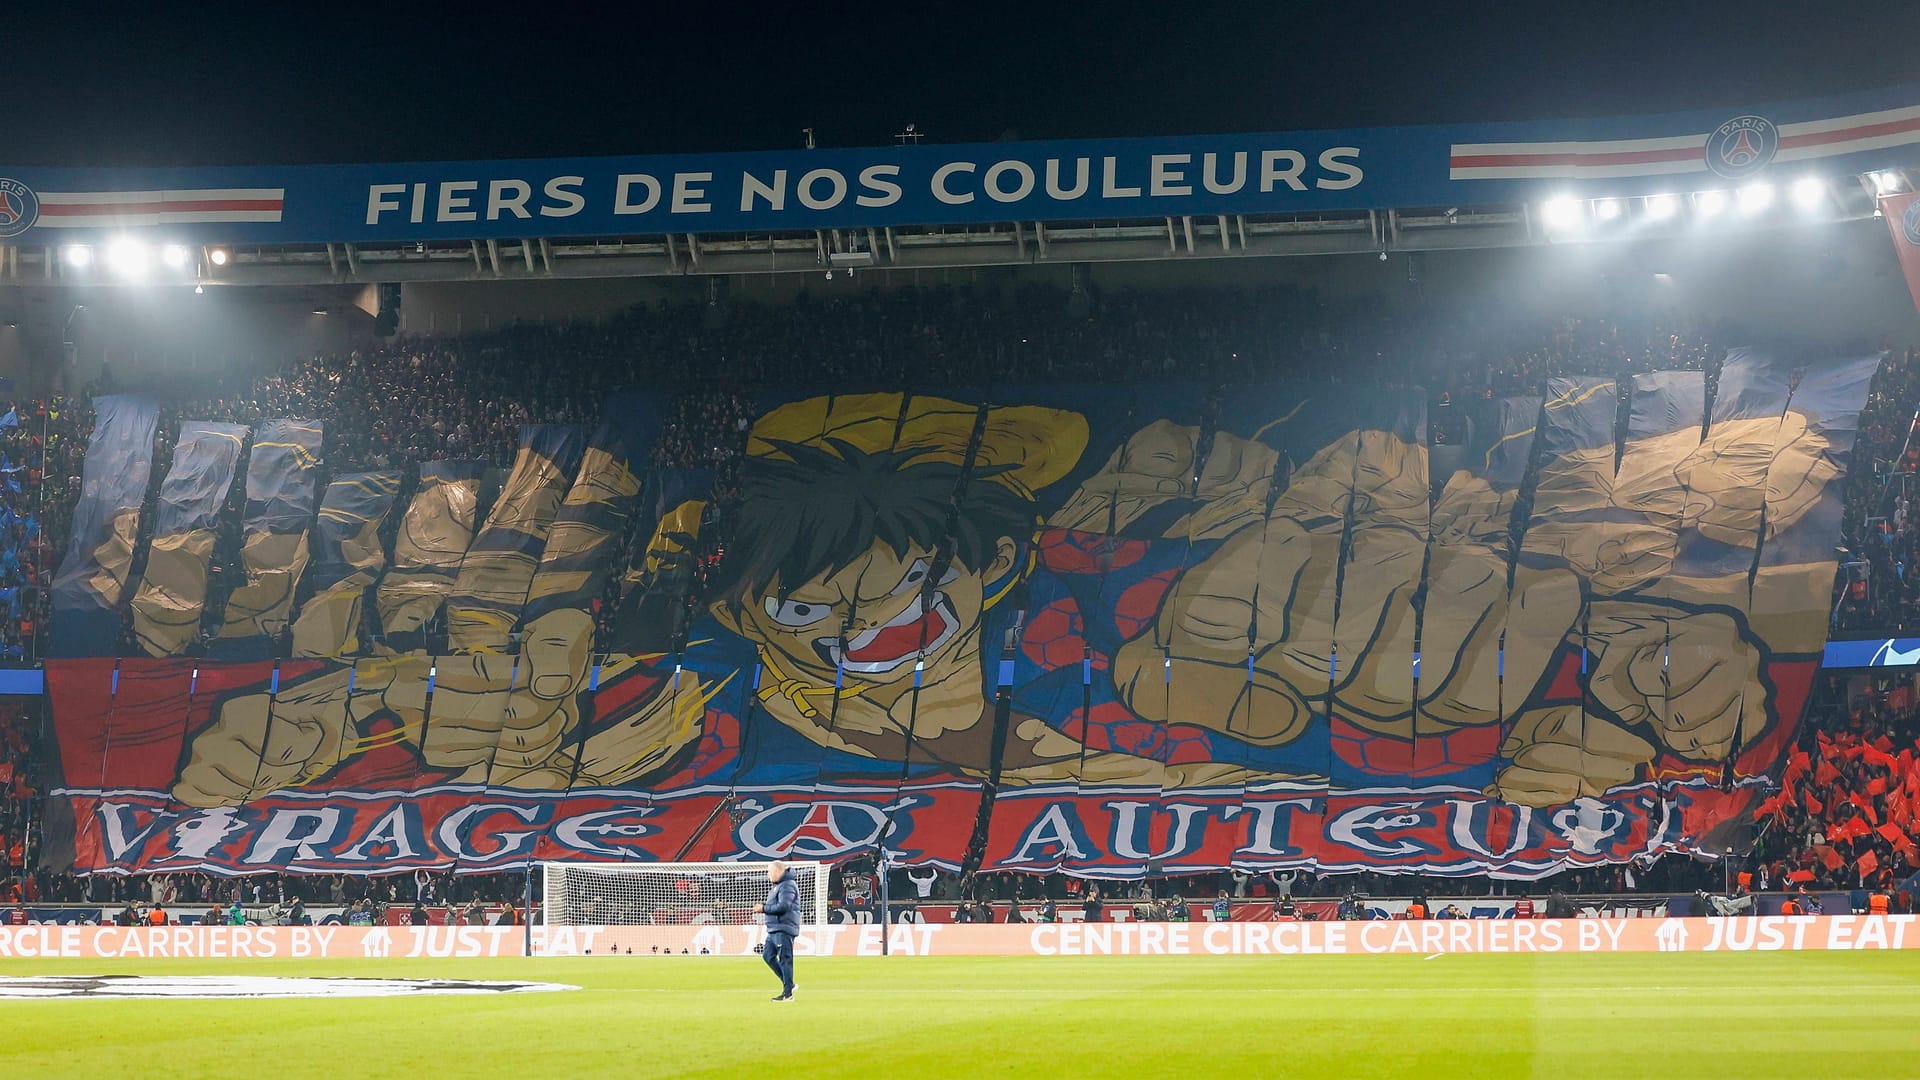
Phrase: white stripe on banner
[91,198]
[1842,123]
[101,221]
[1881,142]
[1621,146]
[1575,172]
[1871,128]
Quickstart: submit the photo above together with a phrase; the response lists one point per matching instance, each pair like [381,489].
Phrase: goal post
[689,907]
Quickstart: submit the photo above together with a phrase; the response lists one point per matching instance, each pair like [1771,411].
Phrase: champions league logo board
[1742,146]
[1910,224]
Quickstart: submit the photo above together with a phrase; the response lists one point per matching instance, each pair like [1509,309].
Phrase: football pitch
[1741,1015]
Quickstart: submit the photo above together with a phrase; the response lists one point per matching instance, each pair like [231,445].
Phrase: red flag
[1800,875]
[1797,765]
[1877,786]
[1826,775]
[1814,806]
[1876,757]
[1893,834]
[1831,858]
[1903,221]
[1868,864]
[1883,744]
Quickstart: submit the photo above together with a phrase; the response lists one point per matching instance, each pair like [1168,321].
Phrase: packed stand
[415,399]
[1848,806]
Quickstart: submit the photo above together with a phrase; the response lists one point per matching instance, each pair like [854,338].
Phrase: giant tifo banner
[1112,631]
[873,187]
[1766,933]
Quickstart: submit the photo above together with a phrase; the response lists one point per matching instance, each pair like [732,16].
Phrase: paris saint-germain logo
[19,207]
[1910,223]
[1742,146]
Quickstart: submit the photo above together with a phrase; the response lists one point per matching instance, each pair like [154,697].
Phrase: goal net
[691,908]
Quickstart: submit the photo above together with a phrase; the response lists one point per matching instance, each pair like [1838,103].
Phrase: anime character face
[876,616]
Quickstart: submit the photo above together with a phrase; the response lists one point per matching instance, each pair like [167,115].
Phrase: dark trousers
[778,954]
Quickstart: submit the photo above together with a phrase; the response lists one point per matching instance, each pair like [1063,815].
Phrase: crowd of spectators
[20,804]
[411,399]
[41,445]
[1848,805]
[1878,588]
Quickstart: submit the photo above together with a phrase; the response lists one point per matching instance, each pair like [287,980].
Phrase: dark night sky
[305,82]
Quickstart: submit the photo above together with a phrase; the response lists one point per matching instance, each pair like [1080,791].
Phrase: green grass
[1752,1016]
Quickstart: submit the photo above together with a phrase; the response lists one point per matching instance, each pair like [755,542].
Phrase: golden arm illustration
[507,719]
[1287,564]
[1673,666]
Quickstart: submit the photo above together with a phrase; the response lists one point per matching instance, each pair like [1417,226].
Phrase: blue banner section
[1879,652]
[1874,652]
[1276,172]
[282,477]
[86,592]
[203,464]
[172,596]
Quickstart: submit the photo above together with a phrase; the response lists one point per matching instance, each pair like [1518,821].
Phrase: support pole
[526,921]
[886,902]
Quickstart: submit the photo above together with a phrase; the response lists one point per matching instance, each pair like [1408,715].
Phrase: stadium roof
[917,206]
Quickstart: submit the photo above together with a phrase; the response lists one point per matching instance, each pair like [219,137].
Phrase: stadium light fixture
[1709,203]
[217,256]
[1662,207]
[175,256]
[1755,197]
[1607,209]
[128,257]
[1887,181]
[78,256]
[1809,192]
[198,289]
[1562,214]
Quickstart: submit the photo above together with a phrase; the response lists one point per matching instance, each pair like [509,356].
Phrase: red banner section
[1035,829]
[1767,933]
[1902,214]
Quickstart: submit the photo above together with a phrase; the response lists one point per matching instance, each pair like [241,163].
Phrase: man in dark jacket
[782,910]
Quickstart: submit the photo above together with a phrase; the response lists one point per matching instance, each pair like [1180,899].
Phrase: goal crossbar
[637,895]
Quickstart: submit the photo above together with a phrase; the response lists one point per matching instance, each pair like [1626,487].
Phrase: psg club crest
[1910,223]
[19,207]
[1742,146]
